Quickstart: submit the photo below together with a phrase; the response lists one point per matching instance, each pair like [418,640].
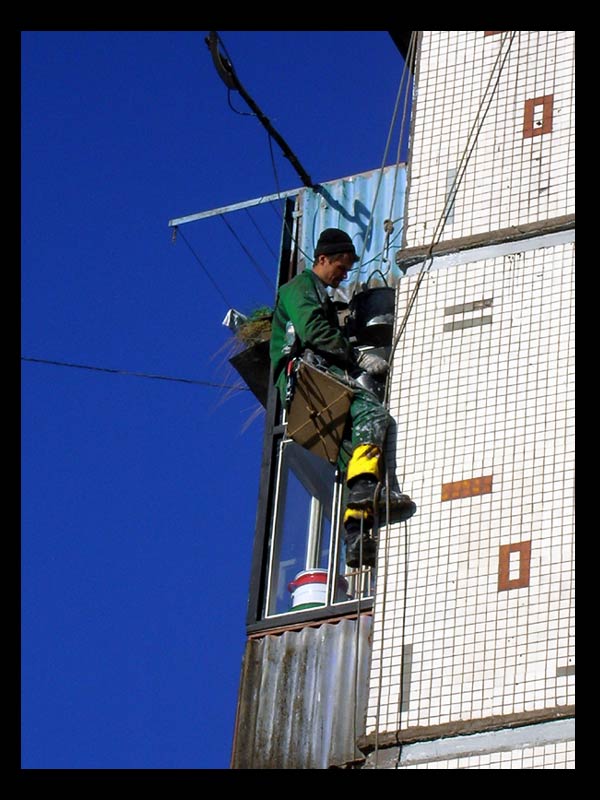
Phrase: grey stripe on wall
[468,308]
[407,659]
[561,672]
[467,323]
[450,195]
[464,307]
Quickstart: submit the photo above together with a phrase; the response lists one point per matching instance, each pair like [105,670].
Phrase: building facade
[457,650]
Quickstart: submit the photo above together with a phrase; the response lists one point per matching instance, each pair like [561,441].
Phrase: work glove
[314,360]
[373,364]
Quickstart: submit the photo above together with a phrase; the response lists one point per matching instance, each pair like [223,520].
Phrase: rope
[384,159]
[473,135]
[206,272]
[254,262]
[357,632]
[383,595]
[389,223]
[451,195]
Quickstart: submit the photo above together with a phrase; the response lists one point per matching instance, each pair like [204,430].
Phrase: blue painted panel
[359,205]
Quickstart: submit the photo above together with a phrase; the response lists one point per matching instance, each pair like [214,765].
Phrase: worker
[306,323]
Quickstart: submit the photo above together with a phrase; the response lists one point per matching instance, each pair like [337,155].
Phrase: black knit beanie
[333,241]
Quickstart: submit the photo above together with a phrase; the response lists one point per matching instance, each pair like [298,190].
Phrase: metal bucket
[373,316]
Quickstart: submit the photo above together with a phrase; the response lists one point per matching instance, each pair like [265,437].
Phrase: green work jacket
[304,301]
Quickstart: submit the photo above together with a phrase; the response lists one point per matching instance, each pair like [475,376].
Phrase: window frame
[274,434]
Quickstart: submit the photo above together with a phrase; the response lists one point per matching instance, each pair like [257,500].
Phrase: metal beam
[267,198]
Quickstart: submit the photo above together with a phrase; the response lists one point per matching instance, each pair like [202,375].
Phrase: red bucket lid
[310,576]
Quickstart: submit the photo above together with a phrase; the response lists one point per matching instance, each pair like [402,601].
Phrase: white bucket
[309,589]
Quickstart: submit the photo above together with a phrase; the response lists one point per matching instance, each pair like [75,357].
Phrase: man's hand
[373,364]
[313,359]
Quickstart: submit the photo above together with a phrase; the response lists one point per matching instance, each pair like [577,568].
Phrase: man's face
[334,269]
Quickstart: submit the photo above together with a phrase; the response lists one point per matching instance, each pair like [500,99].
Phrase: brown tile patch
[504,581]
[529,127]
[471,487]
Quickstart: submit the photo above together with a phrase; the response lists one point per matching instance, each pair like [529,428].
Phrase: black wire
[280,214]
[222,43]
[207,273]
[248,114]
[241,113]
[260,233]
[136,374]
[267,280]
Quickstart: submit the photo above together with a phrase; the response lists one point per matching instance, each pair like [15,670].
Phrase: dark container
[253,364]
[373,316]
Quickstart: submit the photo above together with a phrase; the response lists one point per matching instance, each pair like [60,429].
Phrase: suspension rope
[451,195]
[467,153]
[389,223]
[260,233]
[410,61]
[204,269]
[384,598]
[254,262]
[401,88]
[359,583]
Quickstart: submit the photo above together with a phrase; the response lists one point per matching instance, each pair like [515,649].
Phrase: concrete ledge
[370,742]
[414,255]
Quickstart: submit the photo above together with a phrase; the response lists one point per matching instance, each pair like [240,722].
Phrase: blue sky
[139,494]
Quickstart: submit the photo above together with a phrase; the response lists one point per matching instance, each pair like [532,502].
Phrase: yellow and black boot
[361,548]
[363,476]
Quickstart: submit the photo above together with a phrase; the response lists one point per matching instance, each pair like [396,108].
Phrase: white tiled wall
[558,755]
[490,400]
[507,179]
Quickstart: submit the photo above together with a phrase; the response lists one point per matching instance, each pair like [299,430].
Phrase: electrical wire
[227,73]
[241,113]
[135,374]
[281,216]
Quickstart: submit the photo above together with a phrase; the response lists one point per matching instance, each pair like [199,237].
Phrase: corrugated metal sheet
[351,204]
[303,697]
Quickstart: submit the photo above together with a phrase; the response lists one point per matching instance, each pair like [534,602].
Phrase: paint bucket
[309,589]
[372,312]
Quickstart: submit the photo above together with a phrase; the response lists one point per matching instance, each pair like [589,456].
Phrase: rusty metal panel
[362,205]
[303,697]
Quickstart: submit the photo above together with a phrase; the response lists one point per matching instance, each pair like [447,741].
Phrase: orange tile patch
[471,487]
[530,127]
[504,580]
